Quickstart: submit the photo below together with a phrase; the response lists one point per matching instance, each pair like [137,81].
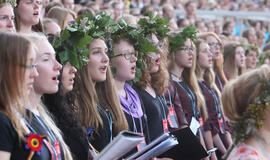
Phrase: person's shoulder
[244,152]
[4,118]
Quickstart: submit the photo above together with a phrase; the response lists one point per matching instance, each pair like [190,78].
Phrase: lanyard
[219,82]
[49,133]
[44,126]
[191,96]
[109,118]
[163,108]
[133,119]
[216,101]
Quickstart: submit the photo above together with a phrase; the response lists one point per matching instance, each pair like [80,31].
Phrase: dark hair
[60,106]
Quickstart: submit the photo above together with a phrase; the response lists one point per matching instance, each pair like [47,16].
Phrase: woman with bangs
[216,47]
[7,16]
[46,83]
[96,100]
[18,58]
[27,16]
[234,60]
[184,91]
[214,126]
[123,58]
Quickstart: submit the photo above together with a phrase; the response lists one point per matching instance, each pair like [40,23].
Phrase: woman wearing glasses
[184,92]
[18,58]
[214,126]
[216,49]
[124,61]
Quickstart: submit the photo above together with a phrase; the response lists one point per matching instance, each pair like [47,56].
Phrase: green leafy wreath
[252,120]
[72,45]
[141,44]
[154,25]
[179,39]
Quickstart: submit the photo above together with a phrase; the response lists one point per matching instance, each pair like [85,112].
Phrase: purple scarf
[132,104]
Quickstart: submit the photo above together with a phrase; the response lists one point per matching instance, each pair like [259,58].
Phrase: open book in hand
[155,148]
[189,146]
[120,145]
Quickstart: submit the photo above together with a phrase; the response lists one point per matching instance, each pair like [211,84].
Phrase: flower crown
[179,39]
[141,44]
[252,120]
[154,25]
[12,2]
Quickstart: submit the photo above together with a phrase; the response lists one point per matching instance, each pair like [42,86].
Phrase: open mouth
[133,69]
[71,80]
[157,61]
[103,69]
[36,13]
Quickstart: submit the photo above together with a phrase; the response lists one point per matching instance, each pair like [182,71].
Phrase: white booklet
[155,148]
[124,142]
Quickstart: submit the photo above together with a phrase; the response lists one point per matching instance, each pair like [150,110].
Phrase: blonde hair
[36,39]
[60,14]
[190,77]
[89,95]
[241,92]
[209,74]
[218,64]
[230,64]
[45,22]
[13,56]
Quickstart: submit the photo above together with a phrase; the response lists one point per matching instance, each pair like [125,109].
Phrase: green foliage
[101,26]
[72,45]
[263,57]
[12,2]
[141,44]
[154,25]
[179,39]
[252,120]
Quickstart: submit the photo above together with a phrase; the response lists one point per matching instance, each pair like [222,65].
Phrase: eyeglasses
[30,67]
[128,56]
[187,49]
[213,44]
